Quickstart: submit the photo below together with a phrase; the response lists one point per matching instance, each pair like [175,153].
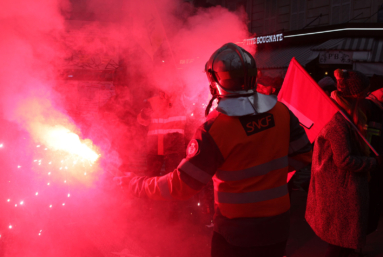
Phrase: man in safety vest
[247,146]
[165,119]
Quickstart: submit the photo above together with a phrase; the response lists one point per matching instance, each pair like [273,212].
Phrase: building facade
[322,35]
[270,16]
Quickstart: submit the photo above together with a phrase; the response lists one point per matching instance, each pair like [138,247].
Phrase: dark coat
[337,202]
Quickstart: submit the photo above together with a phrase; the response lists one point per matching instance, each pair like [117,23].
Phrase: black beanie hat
[351,83]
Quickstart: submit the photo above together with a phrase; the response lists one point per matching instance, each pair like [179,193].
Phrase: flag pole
[360,134]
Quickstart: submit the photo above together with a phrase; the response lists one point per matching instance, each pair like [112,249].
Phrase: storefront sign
[264,39]
[335,57]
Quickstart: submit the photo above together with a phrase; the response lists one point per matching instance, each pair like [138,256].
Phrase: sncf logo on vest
[257,123]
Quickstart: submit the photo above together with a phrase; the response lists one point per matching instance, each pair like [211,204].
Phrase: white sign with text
[335,57]
[264,39]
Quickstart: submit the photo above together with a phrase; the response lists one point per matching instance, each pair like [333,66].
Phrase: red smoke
[46,46]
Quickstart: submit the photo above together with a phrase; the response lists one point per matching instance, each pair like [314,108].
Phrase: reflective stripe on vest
[258,170]
[194,172]
[162,126]
[251,197]
[165,131]
[170,119]
[298,144]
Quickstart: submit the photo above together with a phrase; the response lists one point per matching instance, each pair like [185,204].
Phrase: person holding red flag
[247,146]
[337,202]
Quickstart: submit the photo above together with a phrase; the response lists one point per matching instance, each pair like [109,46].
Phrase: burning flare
[60,138]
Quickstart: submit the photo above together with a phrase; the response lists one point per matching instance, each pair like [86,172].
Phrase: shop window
[340,11]
[298,14]
[270,16]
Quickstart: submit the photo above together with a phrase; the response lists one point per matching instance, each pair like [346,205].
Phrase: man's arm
[192,174]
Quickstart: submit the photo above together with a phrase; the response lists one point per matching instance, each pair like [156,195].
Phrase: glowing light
[64,181]
[198,204]
[37,193]
[50,163]
[85,174]
[68,195]
[61,138]
[63,204]
[48,183]
[8,200]
[19,167]
[49,173]
[1,145]
[22,202]
[50,206]
[46,149]
[334,30]
[61,168]
[35,161]
[15,205]
[37,145]
[66,167]
[10,226]
[191,114]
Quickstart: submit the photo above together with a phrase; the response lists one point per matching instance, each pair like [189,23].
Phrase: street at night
[191,128]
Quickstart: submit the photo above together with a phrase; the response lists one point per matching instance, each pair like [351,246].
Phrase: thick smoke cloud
[54,203]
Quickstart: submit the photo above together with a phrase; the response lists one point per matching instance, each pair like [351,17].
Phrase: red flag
[303,96]
[314,109]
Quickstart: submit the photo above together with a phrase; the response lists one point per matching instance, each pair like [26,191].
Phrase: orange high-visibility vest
[166,119]
[252,180]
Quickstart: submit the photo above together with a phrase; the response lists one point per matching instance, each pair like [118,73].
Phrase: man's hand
[124,180]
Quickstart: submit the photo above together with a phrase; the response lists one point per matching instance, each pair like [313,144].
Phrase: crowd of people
[246,148]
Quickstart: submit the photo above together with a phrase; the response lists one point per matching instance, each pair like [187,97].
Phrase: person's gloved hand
[124,180]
